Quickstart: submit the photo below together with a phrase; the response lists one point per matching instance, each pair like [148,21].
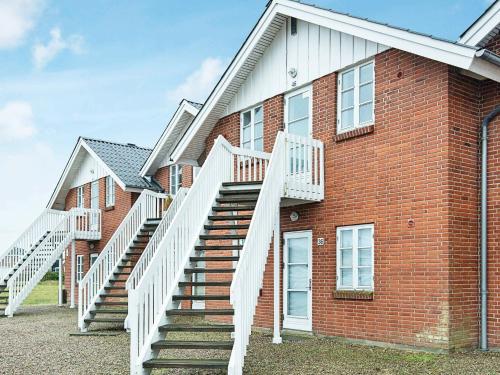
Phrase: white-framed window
[175,178]
[252,129]
[355,257]
[93,258]
[94,194]
[80,196]
[356,92]
[110,191]
[79,267]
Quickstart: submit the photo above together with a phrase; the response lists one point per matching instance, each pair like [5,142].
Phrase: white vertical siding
[87,171]
[314,51]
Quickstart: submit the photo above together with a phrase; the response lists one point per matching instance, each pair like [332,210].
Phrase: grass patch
[420,357]
[45,293]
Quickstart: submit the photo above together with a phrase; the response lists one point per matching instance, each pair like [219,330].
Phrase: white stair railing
[149,300]
[249,274]
[149,205]
[26,242]
[31,272]
[154,242]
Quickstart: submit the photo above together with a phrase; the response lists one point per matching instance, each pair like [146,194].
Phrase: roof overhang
[57,200]
[485,27]
[176,127]
[192,144]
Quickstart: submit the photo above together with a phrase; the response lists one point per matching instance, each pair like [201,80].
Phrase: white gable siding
[314,51]
[87,170]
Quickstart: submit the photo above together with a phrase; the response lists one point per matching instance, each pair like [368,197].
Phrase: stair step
[233,208]
[114,288]
[237,200]
[218,247]
[168,344]
[187,363]
[201,298]
[151,225]
[223,236]
[214,259]
[199,312]
[105,320]
[122,273]
[99,311]
[183,284]
[229,226]
[153,220]
[137,247]
[241,183]
[125,266]
[229,217]
[209,270]
[239,191]
[113,303]
[195,328]
[145,241]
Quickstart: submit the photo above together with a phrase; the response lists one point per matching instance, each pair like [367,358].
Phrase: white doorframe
[302,323]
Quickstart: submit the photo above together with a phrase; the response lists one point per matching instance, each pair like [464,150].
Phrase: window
[175,178]
[355,257]
[252,129]
[94,194]
[79,268]
[355,98]
[80,197]
[93,258]
[110,192]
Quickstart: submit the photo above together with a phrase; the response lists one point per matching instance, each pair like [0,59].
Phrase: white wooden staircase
[239,191]
[32,255]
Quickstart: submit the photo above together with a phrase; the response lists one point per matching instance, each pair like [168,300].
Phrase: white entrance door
[297,281]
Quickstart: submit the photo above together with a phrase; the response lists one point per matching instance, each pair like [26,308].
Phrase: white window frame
[355,267]
[175,178]
[79,267]
[93,258]
[252,127]
[357,104]
[80,196]
[306,89]
[110,192]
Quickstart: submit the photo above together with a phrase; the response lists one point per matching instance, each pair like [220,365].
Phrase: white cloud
[43,54]
[16,121]
[200,83]
[17,18]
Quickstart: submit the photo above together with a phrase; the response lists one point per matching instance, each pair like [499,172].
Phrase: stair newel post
[60,289]
[73,276]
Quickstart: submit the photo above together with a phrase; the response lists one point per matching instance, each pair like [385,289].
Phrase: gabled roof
[121,161]
[182,118]
[462,56]
[484,28]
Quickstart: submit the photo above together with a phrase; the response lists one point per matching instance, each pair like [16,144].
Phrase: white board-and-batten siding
[87,169]
[313,52]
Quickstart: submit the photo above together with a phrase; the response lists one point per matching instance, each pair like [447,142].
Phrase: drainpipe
[484,227]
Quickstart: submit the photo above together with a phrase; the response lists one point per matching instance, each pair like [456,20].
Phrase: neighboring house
[379,235]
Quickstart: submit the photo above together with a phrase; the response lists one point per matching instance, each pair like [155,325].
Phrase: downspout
[484,227]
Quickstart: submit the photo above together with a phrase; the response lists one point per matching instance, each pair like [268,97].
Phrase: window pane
[298,250]
[366,113]
[297,303]
[258,114]
[298,107]
[346,239]
[257,132]
[346,277]
[365,277]
[298,277]
[366,73]
[347,119]
[365,237]
[364,257]
[346,260]
[259,145]
[366,93]
[246,134]
[348,80]
[347,100]
[299,127]
[247,144]
[247,118]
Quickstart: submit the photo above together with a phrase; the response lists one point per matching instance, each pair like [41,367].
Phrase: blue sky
[117,69]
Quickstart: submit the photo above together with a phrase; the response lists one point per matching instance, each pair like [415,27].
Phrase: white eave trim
[184,107]
[458,55]
[482,27]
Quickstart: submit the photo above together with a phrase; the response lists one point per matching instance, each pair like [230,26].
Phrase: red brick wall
[491,99]
[111,219]
[162,175]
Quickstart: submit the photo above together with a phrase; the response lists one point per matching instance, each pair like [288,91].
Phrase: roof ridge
[131,145]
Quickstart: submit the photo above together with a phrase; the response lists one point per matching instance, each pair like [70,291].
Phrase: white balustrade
[149,205]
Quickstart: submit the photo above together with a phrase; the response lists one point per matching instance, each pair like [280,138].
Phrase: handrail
[31,272]
[25,243]
[151,297]
[249,274]
[155,241]
[149,205]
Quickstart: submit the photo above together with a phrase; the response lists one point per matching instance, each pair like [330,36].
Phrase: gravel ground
[38,341]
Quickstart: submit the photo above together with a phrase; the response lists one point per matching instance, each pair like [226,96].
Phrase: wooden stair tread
[204,283]
[239,191]
[214,259]
[209,297]
[233,208]
[209,237]
[109,311]
[187,363]
[218,247]
[229,217]
[209,270]
[195,328]
[227,226]
[170,344]
[200,312]
[105,320]
[242,183]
